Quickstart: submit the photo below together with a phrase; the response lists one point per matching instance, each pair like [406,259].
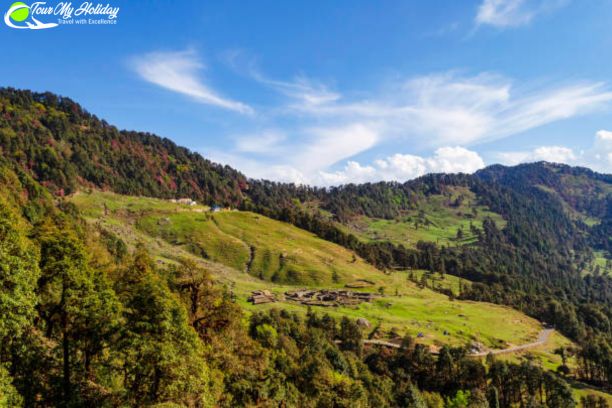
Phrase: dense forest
[85,321]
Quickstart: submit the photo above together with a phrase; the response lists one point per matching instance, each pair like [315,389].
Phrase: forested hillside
[64,147]
[586,195]
[86,321]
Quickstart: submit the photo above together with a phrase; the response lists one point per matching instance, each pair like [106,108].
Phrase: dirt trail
[542,339]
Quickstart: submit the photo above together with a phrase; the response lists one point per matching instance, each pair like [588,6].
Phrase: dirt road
[542,339]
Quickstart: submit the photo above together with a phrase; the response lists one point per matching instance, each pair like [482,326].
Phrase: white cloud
[298,161]
[513,158]
[512,13]
[604,136]
[258,169]
[555,154]
[317,127]
[598,157]
[302,89]
[179,72]
[602,150]
[314,148]
[553,105]
[402,167]
[429,112]
[503,13]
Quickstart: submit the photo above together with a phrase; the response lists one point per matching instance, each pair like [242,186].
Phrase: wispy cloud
[603,136]
[442,109]
[180,72]
[513,13]
[301,158]
[315,133]
[302,89]
[428,112]
[327,146]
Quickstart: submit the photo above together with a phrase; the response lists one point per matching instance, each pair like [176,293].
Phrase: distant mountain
[582,189]
[587,195]
[64,147]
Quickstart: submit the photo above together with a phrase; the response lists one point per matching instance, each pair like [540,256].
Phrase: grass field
[224,241]
[436,281]
[437,219]
[265,248]
[423,313]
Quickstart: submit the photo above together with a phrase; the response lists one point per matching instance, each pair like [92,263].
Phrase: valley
[130,269]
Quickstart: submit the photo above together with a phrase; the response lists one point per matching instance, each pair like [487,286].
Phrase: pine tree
[78,307]
[162,355]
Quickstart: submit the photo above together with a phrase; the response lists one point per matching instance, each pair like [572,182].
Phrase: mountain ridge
[64,108]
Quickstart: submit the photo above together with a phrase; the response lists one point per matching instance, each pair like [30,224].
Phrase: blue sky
[329,92]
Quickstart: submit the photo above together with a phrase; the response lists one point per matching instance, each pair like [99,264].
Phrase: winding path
[541,340]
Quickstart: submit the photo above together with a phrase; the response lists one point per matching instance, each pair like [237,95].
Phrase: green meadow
[437,218]
[285,258]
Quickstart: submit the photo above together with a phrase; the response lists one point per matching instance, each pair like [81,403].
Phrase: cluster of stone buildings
[312,297]
[329,297]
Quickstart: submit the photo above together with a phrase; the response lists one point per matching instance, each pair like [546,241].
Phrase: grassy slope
[408,309]
[404,307]
[281,252]
[435,281]
[167,229]
[434,220]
